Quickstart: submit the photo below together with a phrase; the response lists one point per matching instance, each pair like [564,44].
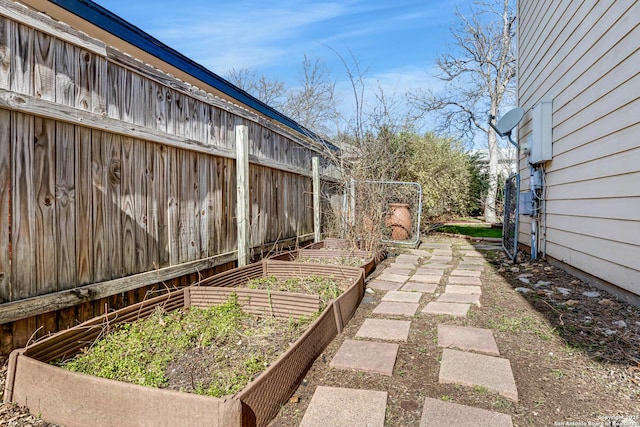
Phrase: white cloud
[242,37]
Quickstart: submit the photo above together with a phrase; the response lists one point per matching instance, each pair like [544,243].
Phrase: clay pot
[399,221]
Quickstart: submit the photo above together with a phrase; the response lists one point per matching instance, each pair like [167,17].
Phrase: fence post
[317,215]
[242,190]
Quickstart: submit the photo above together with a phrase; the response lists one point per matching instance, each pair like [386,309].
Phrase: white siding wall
[585,55]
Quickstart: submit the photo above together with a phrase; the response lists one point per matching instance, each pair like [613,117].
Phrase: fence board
[5,204]
[229,203]
[128,215]
[22,60]
[84,78]
[124,94]
[140,204]
[65,206]
[65,58]
[44,181]
[44,70]
[180,109]
[204,203]
[112,146]
[84,207]
[6,45]
[99,222]
[157,106]
[138,97]
[113,90]
[190,228]
[99,88]
[46,324]
[23,224]
[215,206]
[151,205]
[173,208]
[160,202]
[170,110]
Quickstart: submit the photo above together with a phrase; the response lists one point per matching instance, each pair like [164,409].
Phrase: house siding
[585,56]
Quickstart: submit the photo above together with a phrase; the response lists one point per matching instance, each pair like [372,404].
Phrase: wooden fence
[117,179]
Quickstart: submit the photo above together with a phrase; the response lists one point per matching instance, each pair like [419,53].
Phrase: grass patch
[475,230]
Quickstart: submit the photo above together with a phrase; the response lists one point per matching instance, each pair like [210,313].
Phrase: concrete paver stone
[384,329]
[402,265]
[426,271]
[347,407]
[463,280]
[438,413]
[419,287]
[460,298]
[440,259]
[448,308]
[463,289]
[467,273]
[420,252]
[367,356]
[436,266]
[384,285]
[398,271]
[442,252]
[467,338]
[471,369]
[466,266]
[397,308]
[399,278]
[426,278]
[409,259]
[400,296]
[434,245]
[472,260]
[472,254]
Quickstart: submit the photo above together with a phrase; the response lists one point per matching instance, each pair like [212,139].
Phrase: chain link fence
[389,210]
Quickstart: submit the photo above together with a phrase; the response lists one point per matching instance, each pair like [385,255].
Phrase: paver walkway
[470,356]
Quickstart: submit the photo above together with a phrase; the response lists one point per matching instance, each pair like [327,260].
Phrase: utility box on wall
[541,133]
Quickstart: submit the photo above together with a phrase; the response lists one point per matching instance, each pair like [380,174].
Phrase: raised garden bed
[72,399]
[334,252]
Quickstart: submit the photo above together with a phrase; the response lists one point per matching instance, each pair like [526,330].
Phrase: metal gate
[389,209]
[510,221]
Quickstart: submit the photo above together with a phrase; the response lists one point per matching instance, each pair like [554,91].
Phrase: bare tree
[271,92]
[313,104]
[479,76]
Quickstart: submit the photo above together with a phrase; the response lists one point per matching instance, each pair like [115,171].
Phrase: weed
[558,373]
[501,403]
[446,398]
[480,389]
[326,288]
[139,352]
[518,324]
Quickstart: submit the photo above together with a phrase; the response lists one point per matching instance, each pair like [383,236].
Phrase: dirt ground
[574,352]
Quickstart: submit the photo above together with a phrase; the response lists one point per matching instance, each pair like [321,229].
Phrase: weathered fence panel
[112,169]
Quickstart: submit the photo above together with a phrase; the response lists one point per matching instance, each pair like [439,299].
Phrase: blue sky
[395,42]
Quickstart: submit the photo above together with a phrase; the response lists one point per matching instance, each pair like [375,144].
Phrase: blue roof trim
[108,21]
